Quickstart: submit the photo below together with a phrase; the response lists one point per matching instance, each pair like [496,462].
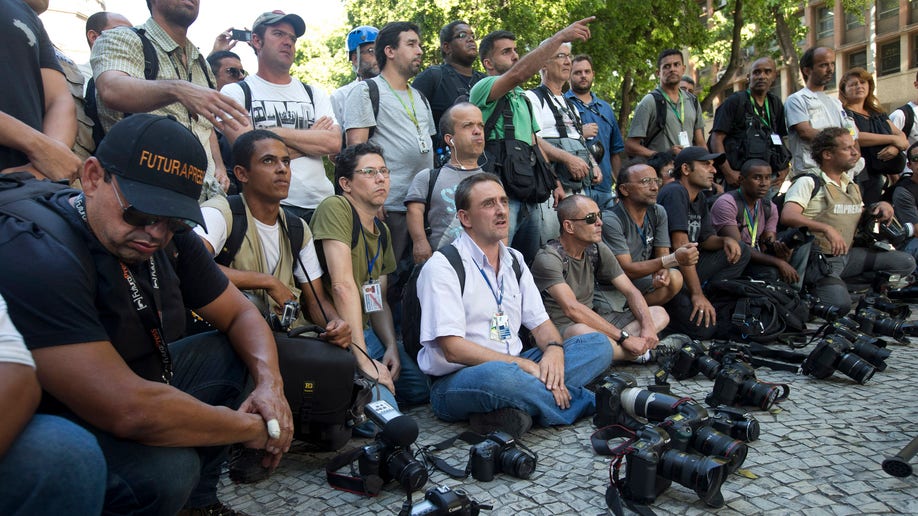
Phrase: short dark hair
[567,208]
[388,37]
[244,147]
[807,59]
[660,160]
[464,189]
[215,58]
[486,45]
[346,162]
[582,57]
[825,141]
[669,52]
[750,164]
[446,33]
[97,22]
[908,151]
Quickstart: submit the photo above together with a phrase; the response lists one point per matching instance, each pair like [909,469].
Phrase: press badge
[500,328]
[683,139]
[776,139]
[423,144]
[372,297]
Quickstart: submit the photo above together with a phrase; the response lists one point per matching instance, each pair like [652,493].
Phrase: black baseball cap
[275,17]
[160,165]
[690,154]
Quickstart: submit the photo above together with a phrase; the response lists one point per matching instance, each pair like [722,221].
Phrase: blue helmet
[361,35]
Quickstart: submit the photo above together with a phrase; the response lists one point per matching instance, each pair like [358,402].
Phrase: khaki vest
[842,212]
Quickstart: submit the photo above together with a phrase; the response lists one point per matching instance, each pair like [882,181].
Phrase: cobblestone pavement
[819,454]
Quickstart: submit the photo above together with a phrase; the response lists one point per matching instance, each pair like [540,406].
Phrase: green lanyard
[680,114]
[755,109]
[751,225]
[411,113]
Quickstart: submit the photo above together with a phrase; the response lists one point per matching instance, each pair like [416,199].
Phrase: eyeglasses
[236,73]
[134,217]
[368,50]
[590,218]
[464,35]
[913,158]
[562,56]
[372,172]
[647,181]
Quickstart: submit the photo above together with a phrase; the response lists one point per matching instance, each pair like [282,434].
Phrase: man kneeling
[469,332]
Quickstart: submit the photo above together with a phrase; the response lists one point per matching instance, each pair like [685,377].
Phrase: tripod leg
[898,465]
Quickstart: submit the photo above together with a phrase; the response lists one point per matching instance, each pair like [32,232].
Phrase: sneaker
[666,347]
[510,420]
[245,465]
[217,509]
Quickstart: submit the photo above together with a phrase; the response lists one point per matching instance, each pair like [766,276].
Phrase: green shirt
[525,126]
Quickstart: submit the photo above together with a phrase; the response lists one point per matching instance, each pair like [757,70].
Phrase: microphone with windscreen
[397,429]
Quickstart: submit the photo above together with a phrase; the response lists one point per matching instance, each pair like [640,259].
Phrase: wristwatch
[622,337]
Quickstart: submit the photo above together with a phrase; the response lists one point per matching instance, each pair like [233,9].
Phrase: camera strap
[369,485]
[600,441]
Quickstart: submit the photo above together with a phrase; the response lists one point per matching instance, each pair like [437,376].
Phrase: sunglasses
[590,218]
[372,172]
[134,217]
[646,181]
[236,73]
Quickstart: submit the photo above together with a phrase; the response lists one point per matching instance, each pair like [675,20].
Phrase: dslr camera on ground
[499,453]
[390,456]
[442,500]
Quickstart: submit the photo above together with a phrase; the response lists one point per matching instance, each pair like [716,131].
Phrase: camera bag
[754,311]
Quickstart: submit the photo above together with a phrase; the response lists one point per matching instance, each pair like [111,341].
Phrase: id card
[500,328]
[776,139]
[372,296]
[423,144]
[683,139]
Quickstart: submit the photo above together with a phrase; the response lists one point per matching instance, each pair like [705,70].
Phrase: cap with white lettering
[160,165]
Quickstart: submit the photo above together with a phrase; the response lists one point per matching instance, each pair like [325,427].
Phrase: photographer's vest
[842,211]
[251,256]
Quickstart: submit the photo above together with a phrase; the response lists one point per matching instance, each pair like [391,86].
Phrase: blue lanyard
[366,248]
[499,295]
[640,230]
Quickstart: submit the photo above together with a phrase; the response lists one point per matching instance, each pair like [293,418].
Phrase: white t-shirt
[216,236]
[12,347]
[546,118]
[288,105]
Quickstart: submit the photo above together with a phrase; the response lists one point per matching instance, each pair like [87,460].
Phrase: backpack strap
[373,90]
[544,95]
[356,230]
[503,104]
[909,122]
[236,235]
[150,60]
[295,231]
[206,69]
[455,260]
[308,89]
[431,183]
[247,96]
[660,125]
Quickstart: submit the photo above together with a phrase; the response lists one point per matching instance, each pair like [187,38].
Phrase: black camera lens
[856,368]
[702,474]
[744,429]
[516,462]
[709,441]
[708,366]
[873,354]
[411,474]
[759,394]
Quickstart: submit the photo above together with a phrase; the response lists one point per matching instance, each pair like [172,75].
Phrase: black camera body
[499,453]
[865,346]
[688,360]
[736,384]
[835,352]
[878,322]
[442,500]
[735,422]
[652,466]
[822,310]
[389,457]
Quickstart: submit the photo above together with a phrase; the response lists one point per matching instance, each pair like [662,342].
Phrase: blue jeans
[161,480]
[525,223]
[412,386]
[54,467]
[495,385]
[604,200]
[911,247]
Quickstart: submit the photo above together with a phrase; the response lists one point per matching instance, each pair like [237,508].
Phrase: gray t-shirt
[645,120]
[396,133]
[904,204]
[548,270]
[821,111]
[623,236]
[441,214]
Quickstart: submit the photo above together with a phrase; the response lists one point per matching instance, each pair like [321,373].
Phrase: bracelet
[553,343]
[669,261]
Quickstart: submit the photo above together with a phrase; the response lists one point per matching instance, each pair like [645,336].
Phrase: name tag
[372,297]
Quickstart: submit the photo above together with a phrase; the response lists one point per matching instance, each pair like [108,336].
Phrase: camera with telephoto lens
[619,401]
[877,322]
[499,453]
[735,422]
[822,310]
[389,456]
[884,304]
[835,352]
[736,384]
[442,500]
[652,466]
[688,360]
[865,346]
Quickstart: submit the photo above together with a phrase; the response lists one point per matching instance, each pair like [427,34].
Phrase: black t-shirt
[730,119]
[26,50]
[683,215]
[54,302]
[442,85]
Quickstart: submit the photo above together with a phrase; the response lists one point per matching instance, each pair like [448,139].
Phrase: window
[854,21]
[825,20]
[887,9]
[889,58]
[857,58]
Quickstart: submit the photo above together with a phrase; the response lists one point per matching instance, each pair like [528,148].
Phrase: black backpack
[295,231]
[660,117]
[909,122]
[755,311]
[150,71]
[411,305]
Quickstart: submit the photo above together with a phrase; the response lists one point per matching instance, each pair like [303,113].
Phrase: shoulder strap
[517,269]
[737,197]
[247,94]
[374,96]
[455,260]
[206,69]
[150,60]
[295,231]
[502,104]
[660,118]
[545,96]
[236,235]
[356,229]
[909,118]
[431,183]
[308,89]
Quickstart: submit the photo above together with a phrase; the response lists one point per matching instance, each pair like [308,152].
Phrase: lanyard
[758,113]
[680,114]
[411,113]
[752,225]
[640,230]
[366,249]
[499,295]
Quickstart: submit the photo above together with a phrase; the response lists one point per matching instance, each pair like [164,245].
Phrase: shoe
[510,420]
[245,465]
[217,509]
[666,347]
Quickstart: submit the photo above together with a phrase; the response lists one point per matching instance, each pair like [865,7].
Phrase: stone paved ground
[819,455]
